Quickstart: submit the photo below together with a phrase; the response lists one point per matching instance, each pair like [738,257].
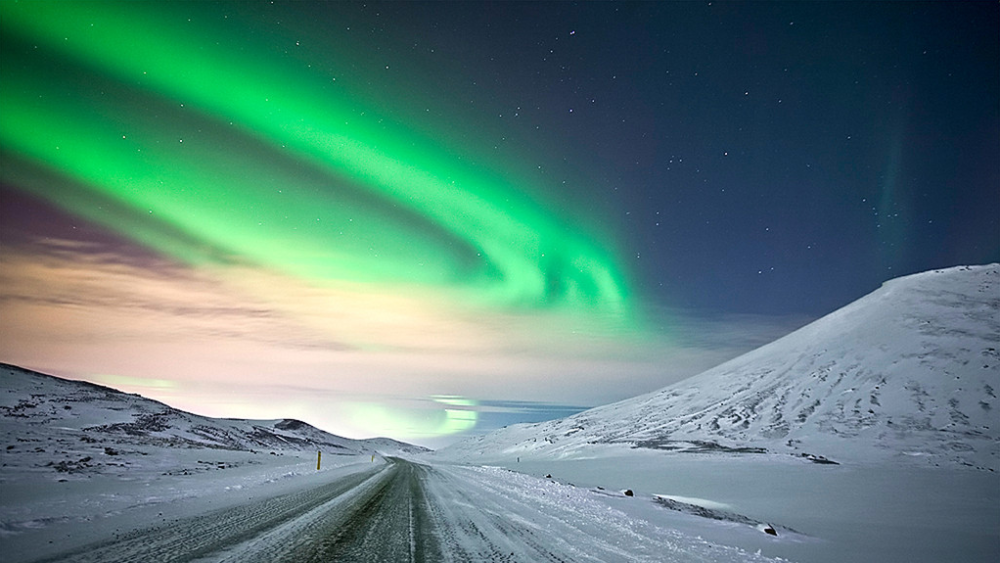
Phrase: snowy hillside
[61,423]
[910,371]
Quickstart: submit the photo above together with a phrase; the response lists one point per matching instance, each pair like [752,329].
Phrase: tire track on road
[200,536]
[390,523]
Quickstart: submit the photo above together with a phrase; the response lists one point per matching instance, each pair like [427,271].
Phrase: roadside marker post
[319,455]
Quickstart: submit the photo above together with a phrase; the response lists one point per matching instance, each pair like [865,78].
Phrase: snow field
[535,519]
[823,513]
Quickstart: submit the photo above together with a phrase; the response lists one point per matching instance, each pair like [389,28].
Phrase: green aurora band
[191,137]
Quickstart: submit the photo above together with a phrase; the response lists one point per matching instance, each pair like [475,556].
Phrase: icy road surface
[405,511]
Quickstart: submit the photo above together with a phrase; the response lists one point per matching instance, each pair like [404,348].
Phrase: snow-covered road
[405,511]
[235,528]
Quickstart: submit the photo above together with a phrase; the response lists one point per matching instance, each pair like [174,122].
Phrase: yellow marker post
[319,456]
[373,458]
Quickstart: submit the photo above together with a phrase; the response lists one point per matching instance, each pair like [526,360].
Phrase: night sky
[426,220]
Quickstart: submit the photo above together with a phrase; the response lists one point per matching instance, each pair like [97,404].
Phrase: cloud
[72,289]
[245,342]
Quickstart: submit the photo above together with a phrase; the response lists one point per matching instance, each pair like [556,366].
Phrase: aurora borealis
[398,218]
[423,216]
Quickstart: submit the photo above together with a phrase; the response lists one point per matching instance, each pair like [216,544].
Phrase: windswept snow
[534,519]
[908,373]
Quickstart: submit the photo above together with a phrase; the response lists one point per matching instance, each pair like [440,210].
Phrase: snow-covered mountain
[910,371]
[43,414]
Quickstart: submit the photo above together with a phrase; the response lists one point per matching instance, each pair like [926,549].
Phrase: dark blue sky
[764,158]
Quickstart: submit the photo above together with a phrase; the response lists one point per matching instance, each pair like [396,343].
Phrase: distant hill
[908,372]
[37,409]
